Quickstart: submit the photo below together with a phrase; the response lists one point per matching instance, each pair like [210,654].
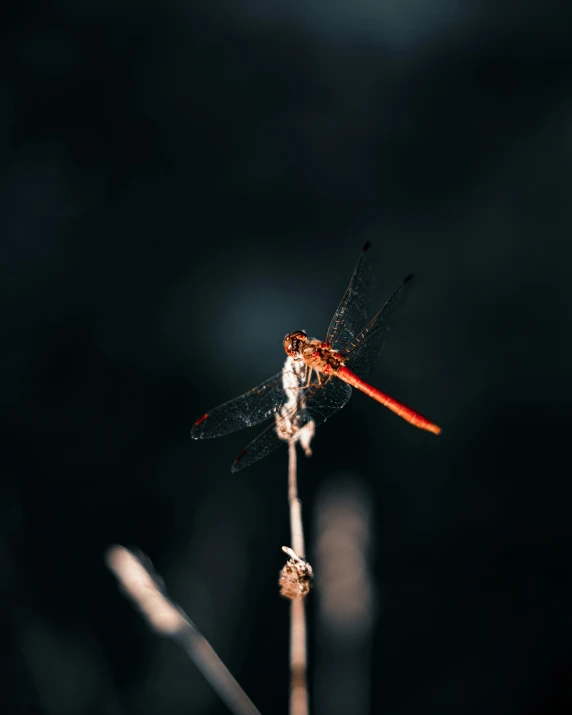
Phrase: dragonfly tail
[414,418]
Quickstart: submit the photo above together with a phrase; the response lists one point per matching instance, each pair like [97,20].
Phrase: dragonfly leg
[318,377]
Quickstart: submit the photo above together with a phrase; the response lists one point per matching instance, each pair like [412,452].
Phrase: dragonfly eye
[292,342]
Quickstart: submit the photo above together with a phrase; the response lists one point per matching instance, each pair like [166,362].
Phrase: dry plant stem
[298,685]
[167,619]
[215,671]
[296,530]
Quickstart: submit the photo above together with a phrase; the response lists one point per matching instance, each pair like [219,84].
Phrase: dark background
[182,184]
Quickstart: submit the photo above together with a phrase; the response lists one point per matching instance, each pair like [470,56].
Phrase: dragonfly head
[294,343]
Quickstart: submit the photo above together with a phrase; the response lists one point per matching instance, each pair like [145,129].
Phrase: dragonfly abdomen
[414,418]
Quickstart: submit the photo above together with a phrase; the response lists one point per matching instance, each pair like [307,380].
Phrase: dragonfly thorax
[321,357]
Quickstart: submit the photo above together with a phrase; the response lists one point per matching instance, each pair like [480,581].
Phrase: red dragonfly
[322,374]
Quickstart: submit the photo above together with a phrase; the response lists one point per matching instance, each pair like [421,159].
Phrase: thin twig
[145,589]
[296,575]
[296,529]
[298,657]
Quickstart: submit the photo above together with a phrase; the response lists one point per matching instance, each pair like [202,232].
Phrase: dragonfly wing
[363,350]
[351,315]
[325,401]
[251,408]
[316,405]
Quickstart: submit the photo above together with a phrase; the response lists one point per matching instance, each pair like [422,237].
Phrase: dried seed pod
[295,577]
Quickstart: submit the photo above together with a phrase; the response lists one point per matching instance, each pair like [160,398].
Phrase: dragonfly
[320,376]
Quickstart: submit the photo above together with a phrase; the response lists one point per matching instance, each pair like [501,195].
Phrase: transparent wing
[316,405]
[363,350]
[351,315]
[251,408]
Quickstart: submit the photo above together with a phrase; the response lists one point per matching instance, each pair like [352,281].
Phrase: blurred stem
[215,671]
[142,585]
[298,657]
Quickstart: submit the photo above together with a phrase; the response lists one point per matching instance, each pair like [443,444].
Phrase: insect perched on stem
[323,373]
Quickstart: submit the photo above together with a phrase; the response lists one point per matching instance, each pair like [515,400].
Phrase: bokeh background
[182,183]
